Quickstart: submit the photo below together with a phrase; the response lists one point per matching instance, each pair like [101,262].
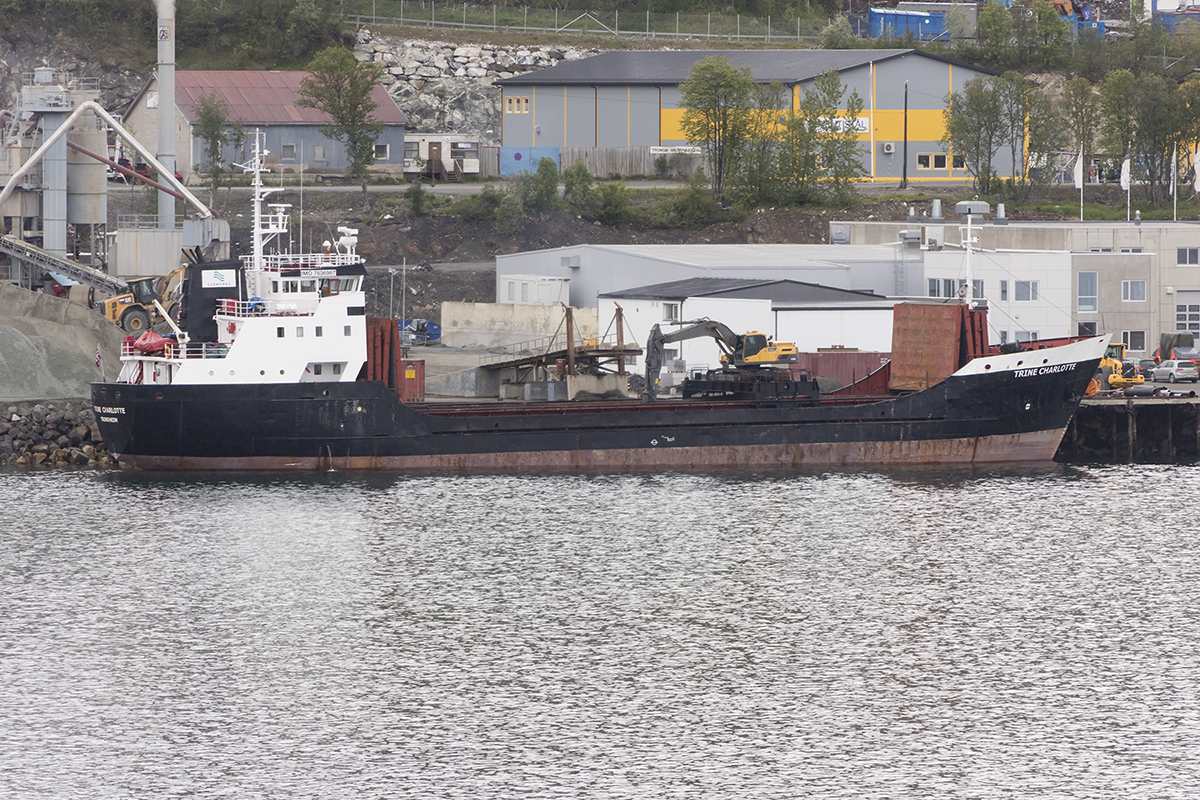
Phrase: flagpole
[1174,182]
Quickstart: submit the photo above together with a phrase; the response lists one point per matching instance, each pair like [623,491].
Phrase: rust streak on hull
[1034,446]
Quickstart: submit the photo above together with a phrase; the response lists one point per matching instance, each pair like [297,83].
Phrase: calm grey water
[1015,633]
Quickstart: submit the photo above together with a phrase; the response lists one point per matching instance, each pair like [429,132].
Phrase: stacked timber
[44,434]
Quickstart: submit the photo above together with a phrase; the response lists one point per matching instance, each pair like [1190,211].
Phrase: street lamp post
[392,294]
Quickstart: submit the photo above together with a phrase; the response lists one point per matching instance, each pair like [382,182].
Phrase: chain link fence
[614,23]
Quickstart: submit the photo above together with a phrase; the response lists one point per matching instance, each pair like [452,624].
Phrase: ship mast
[970,208]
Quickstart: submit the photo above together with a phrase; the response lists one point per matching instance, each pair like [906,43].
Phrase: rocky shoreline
[50,435]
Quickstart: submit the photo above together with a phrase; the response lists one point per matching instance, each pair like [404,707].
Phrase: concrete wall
[499,324]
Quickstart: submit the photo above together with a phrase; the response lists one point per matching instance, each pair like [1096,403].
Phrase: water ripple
[1015,633]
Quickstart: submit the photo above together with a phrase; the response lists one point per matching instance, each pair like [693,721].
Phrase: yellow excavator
[750,364]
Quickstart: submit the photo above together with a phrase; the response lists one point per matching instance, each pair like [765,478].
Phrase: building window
[1134,340]
[1101,250]
[279,332]
[1026,290]
[1088,290]
[524,292]
[670,312]
[516,105]
[1187,317]
[1133,291]
[958,161]
[1131,249]
[287,152]
[318,152]
[1004,290]
[949,289]
[977,289]
[1087,329]
[934,285]
[512,292]
[382,151]
[1027,336]
[1003,337]
[1188,255]
[931,160]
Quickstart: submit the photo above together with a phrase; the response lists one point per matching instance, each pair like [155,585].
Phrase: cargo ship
[265,372]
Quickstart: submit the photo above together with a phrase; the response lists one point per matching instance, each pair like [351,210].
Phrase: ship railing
[276,262]
[544,345]
[174,351]
[267,308]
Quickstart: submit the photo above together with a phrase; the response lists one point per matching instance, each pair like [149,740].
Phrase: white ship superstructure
[292,317]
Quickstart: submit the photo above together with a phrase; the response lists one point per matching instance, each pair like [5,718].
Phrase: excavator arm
[726,339]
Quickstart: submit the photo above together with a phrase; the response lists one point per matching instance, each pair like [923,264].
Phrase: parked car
[1175,371]
[1145,367]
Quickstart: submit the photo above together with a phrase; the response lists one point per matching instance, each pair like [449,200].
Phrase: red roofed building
[265,100]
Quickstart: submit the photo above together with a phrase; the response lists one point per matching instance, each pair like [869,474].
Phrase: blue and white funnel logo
[218,279]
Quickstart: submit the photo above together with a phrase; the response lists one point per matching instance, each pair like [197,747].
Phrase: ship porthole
[158,395]
[262,372]
[1045,361]
[280,372]
[325,393]
[1019,363]
[231,373]
[986,367]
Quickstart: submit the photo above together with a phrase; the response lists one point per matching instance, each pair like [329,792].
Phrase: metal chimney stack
[166,106]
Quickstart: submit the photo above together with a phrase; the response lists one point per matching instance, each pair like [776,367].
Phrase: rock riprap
[50,435]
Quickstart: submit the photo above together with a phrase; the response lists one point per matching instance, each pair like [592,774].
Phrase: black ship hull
[1002,416]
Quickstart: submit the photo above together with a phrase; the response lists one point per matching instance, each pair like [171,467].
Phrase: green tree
[1117,101]
[215,131]
[835,133]
[340,87]
[1031,129]
[757,177]
[974,127]
[539,191]
[1081,113]
[717,101]
[994,32]
[417,197]
[579,189]
[837,35]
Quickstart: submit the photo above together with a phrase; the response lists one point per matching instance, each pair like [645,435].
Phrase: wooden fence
[612,162]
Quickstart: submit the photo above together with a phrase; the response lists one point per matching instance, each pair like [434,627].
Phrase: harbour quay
[1133,429]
